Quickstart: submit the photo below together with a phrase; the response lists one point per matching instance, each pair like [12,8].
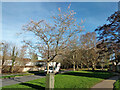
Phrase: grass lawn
[10,76]
[117,84]
[77,79]
[24,74]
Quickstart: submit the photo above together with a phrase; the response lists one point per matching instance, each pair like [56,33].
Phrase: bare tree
[4,51]
[88,42]
[53,38]
[13,58]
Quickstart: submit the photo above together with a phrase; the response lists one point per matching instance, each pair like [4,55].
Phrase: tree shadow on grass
[37,73]
[95,70]
[33,86]
[95,74]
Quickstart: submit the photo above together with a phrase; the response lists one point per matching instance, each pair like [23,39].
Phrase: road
[21,79]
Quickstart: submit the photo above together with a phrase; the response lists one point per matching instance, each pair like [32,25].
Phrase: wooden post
[49,81]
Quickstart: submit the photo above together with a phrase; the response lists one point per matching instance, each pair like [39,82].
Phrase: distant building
[113,66]
[23,65]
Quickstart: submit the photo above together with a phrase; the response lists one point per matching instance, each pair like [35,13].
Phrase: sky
[17,14]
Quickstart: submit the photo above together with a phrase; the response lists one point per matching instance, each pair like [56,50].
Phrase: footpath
[107,84]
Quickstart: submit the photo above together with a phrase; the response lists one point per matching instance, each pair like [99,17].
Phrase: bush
[117,84]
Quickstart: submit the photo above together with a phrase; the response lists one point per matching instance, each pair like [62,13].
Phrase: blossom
[59,9]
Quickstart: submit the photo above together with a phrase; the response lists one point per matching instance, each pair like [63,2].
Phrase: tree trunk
[77,67]
[102,66]
[81,66]
[73,66]
[3,60]
[11,68]
[47,67]
[0,69]
[93,67]
[88,67]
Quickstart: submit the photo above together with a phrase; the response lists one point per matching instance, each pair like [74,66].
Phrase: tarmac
[16,80]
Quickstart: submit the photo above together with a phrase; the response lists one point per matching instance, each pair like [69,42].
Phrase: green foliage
[117,84]
[109,37]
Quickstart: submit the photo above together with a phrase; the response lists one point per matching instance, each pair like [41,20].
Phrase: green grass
[10,76]
[77,79]
[117,84]
[24,74]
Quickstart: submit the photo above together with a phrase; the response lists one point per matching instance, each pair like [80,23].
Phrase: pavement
[11,81]
[107,84]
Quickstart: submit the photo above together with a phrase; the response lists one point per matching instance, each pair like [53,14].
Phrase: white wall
[9,63]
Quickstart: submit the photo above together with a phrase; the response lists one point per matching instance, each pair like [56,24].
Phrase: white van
[54,67]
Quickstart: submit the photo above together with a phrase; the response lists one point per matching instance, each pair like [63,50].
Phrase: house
[41,64]
[113,66]
[21,65]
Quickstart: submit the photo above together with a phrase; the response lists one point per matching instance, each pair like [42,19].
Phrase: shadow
[33,86]
[39,73]
[95,70]
[15,80]
[93,74]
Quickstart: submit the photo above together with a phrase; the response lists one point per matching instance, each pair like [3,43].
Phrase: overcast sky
[17,14]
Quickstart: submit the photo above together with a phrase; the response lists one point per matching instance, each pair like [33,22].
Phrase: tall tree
[4,51]
[13,58]
[109,36]
[88,42]
[22,54]
[53,38]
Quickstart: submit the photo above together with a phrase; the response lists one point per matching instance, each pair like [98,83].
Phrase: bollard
[49,81]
